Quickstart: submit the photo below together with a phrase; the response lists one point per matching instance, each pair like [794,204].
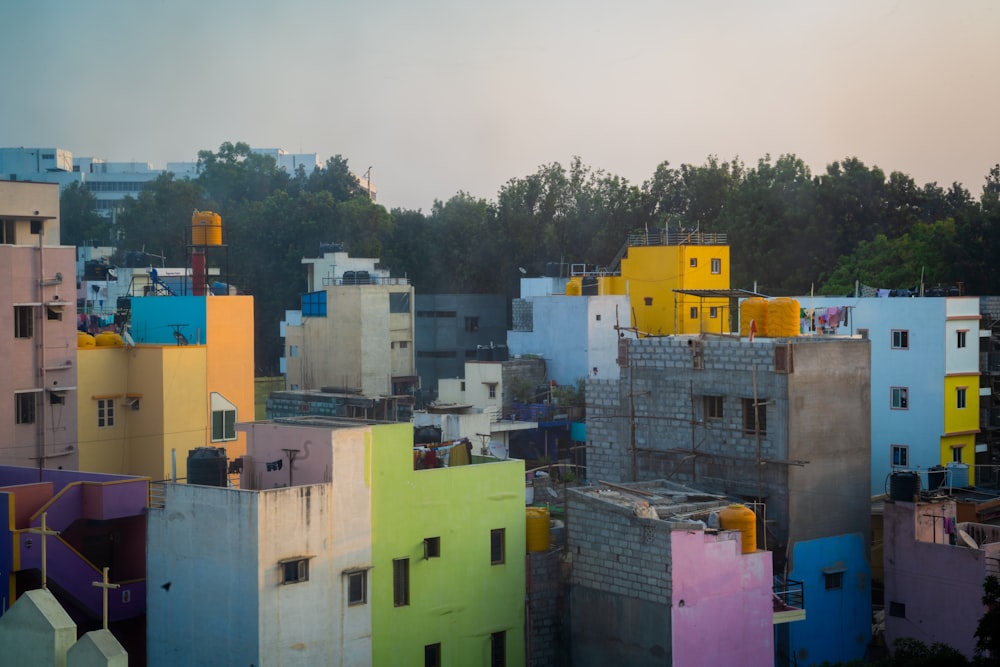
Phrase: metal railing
[789,592]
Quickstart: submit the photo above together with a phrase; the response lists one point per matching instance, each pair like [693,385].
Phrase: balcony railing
[789,600]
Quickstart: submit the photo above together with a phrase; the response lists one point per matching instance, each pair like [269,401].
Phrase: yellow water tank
[537,528]
[573,288]
[783,318]
[109,339]
[753,309]
[741,518]
[206,228]
[85,340]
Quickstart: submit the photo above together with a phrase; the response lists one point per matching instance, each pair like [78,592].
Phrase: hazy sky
[447,95]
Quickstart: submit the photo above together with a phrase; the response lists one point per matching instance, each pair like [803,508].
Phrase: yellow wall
[102,371]
[230,343]
[961,425]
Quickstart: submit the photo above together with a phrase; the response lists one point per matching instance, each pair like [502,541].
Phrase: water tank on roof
[753,309]
[537,528]
[573,288]
[207,466]
[904,486]
[206,228]
[935,477]
[589,286]
[362,278]
[484,353]
[84,340]
[500,353]
[350,278]
[783,318]
[741,518]
[958,474]
[109,339]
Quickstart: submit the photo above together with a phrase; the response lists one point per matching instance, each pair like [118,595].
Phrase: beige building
[354,333]
[38,301]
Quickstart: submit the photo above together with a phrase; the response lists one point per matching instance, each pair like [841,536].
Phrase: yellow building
[658,263]
[183,384]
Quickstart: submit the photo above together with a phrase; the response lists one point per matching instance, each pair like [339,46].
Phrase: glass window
[295,571]
[24,321]
[497,545]
[713,312]
[961,338]
[900,339]
[357,587]
[693,262]
[472,324]
[694,312]
[960,398]
[900,455]
[24,408]
[401,582]
[498,649]
[716,265]
[713,407]
[833,580]
[105,413]
[900,398]
[432,547]
[314,304]
[223,425]
[432,655]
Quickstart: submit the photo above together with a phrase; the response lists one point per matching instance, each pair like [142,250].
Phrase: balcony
[788,601]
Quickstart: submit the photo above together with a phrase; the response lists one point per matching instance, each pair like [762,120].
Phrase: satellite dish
[498,449]
[967,539]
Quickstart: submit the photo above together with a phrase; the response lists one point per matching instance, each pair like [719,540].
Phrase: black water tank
[904,486]
[207,466]
[589,286]
[362,278]
[484,353]
[500,353]
[935,477]
[350,278]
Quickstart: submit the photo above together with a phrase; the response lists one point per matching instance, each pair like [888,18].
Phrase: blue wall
[152,317]
[838,625]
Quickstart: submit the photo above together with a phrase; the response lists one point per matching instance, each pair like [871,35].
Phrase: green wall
[460,598]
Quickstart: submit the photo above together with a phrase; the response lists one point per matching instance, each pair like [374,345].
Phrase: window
[461,385]
[694,312]
[314,304]
[497,539]
[956,454]
[493,390]
[754,418]
[24,321]
[294,570]
[401,582]
[105,413]
[960,398]
[716,265]
[900,455]
[403,344]
[432,655]
[432,547]
[597,317]
[472,324]
[833,580]
[648,300]
[293,351]
[24,408]
[900,398]
[713,312]
[713,407]
[897,609]
[498,649]
[783,358]
[399,302]
[223,425]
[961,337]
[357,587]
[900,339]
[693,262]
[55,314]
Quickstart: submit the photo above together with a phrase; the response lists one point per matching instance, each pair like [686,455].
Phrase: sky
[447,96]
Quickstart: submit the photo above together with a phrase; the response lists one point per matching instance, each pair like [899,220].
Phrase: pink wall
[265,443]
[940,585]
[27,499]
[721,608]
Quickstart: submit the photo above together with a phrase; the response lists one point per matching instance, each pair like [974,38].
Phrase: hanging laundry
[273,466]
[833,317]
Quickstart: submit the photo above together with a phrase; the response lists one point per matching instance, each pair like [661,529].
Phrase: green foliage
[789,230]
[571,395]
[79,222]
[988,629]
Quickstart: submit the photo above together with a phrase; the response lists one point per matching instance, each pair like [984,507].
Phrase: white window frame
[900,339]
[716,265]
[223,419]
[899,456]
[899,398]
[105,413]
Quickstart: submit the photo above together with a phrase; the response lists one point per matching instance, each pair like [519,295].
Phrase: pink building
[934,572]
[38,336]
[653,584]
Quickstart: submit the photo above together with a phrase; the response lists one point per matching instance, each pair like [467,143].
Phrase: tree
[988,629]
[79,222]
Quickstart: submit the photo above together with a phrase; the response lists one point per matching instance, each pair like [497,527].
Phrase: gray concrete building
[785,421]
[450,328]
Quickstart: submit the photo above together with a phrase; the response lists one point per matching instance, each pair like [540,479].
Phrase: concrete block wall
[989,307]
[515,371]
[546,608]
[616,553]
[672,436]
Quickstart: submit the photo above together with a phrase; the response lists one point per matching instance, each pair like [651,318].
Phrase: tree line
[790,231]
